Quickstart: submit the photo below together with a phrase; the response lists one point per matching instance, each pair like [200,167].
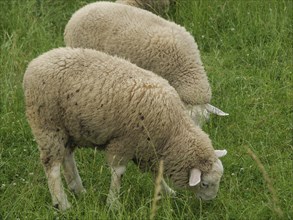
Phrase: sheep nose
[208,198]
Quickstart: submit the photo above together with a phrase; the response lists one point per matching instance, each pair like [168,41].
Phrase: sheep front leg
[116,175]
[71,174]
[166,190]
[117,157]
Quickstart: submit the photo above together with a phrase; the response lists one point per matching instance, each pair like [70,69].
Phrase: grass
[246,47]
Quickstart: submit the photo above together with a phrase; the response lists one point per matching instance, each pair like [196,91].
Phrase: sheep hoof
[169,193]
[82,192]
[114,205]
[172,193]
[62,207]
[79,192]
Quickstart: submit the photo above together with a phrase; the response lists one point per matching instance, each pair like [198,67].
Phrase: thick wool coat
[82,97]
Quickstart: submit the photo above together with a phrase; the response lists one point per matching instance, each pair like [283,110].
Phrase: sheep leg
[166,190]
[71,174]
[116,175]
[59,197]
[52,149]
[117,157]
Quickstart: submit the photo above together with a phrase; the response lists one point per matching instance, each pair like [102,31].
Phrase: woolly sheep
[150,42]
[157,6]
[82,97]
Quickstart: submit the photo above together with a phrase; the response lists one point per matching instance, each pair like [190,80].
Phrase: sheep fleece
[82,97]
[145,39]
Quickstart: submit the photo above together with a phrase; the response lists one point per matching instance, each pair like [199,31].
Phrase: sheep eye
[204,185]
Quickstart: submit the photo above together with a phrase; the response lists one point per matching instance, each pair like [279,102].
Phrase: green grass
[246,47]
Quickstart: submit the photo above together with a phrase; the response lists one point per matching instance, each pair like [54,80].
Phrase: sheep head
[206,185]
[201,113]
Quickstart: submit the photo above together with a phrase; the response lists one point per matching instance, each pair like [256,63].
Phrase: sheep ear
[220,153]
[215,110]
[194,178]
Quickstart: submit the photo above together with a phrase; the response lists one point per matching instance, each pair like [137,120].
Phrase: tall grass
[246,47]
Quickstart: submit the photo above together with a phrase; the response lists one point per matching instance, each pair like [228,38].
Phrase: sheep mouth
[205,198]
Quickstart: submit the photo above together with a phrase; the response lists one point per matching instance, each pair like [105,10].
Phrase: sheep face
[206,185]
[201,113]
[198,113]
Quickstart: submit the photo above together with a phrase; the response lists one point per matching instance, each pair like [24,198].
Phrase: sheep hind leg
[58,195]
[116,176]
[52,147]
[71,174]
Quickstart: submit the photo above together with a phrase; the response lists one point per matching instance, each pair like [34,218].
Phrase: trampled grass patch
[246,47]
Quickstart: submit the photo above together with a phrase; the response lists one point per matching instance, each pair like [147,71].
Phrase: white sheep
[82,97]
[148,41]
[157,6]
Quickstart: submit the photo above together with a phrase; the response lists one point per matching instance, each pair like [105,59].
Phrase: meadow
[246,48]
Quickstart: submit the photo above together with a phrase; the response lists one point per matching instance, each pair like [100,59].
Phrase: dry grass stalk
[157,190]
[267,179]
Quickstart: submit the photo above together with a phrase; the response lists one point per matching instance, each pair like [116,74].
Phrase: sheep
[148,41]
[157,6]
[82,97]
